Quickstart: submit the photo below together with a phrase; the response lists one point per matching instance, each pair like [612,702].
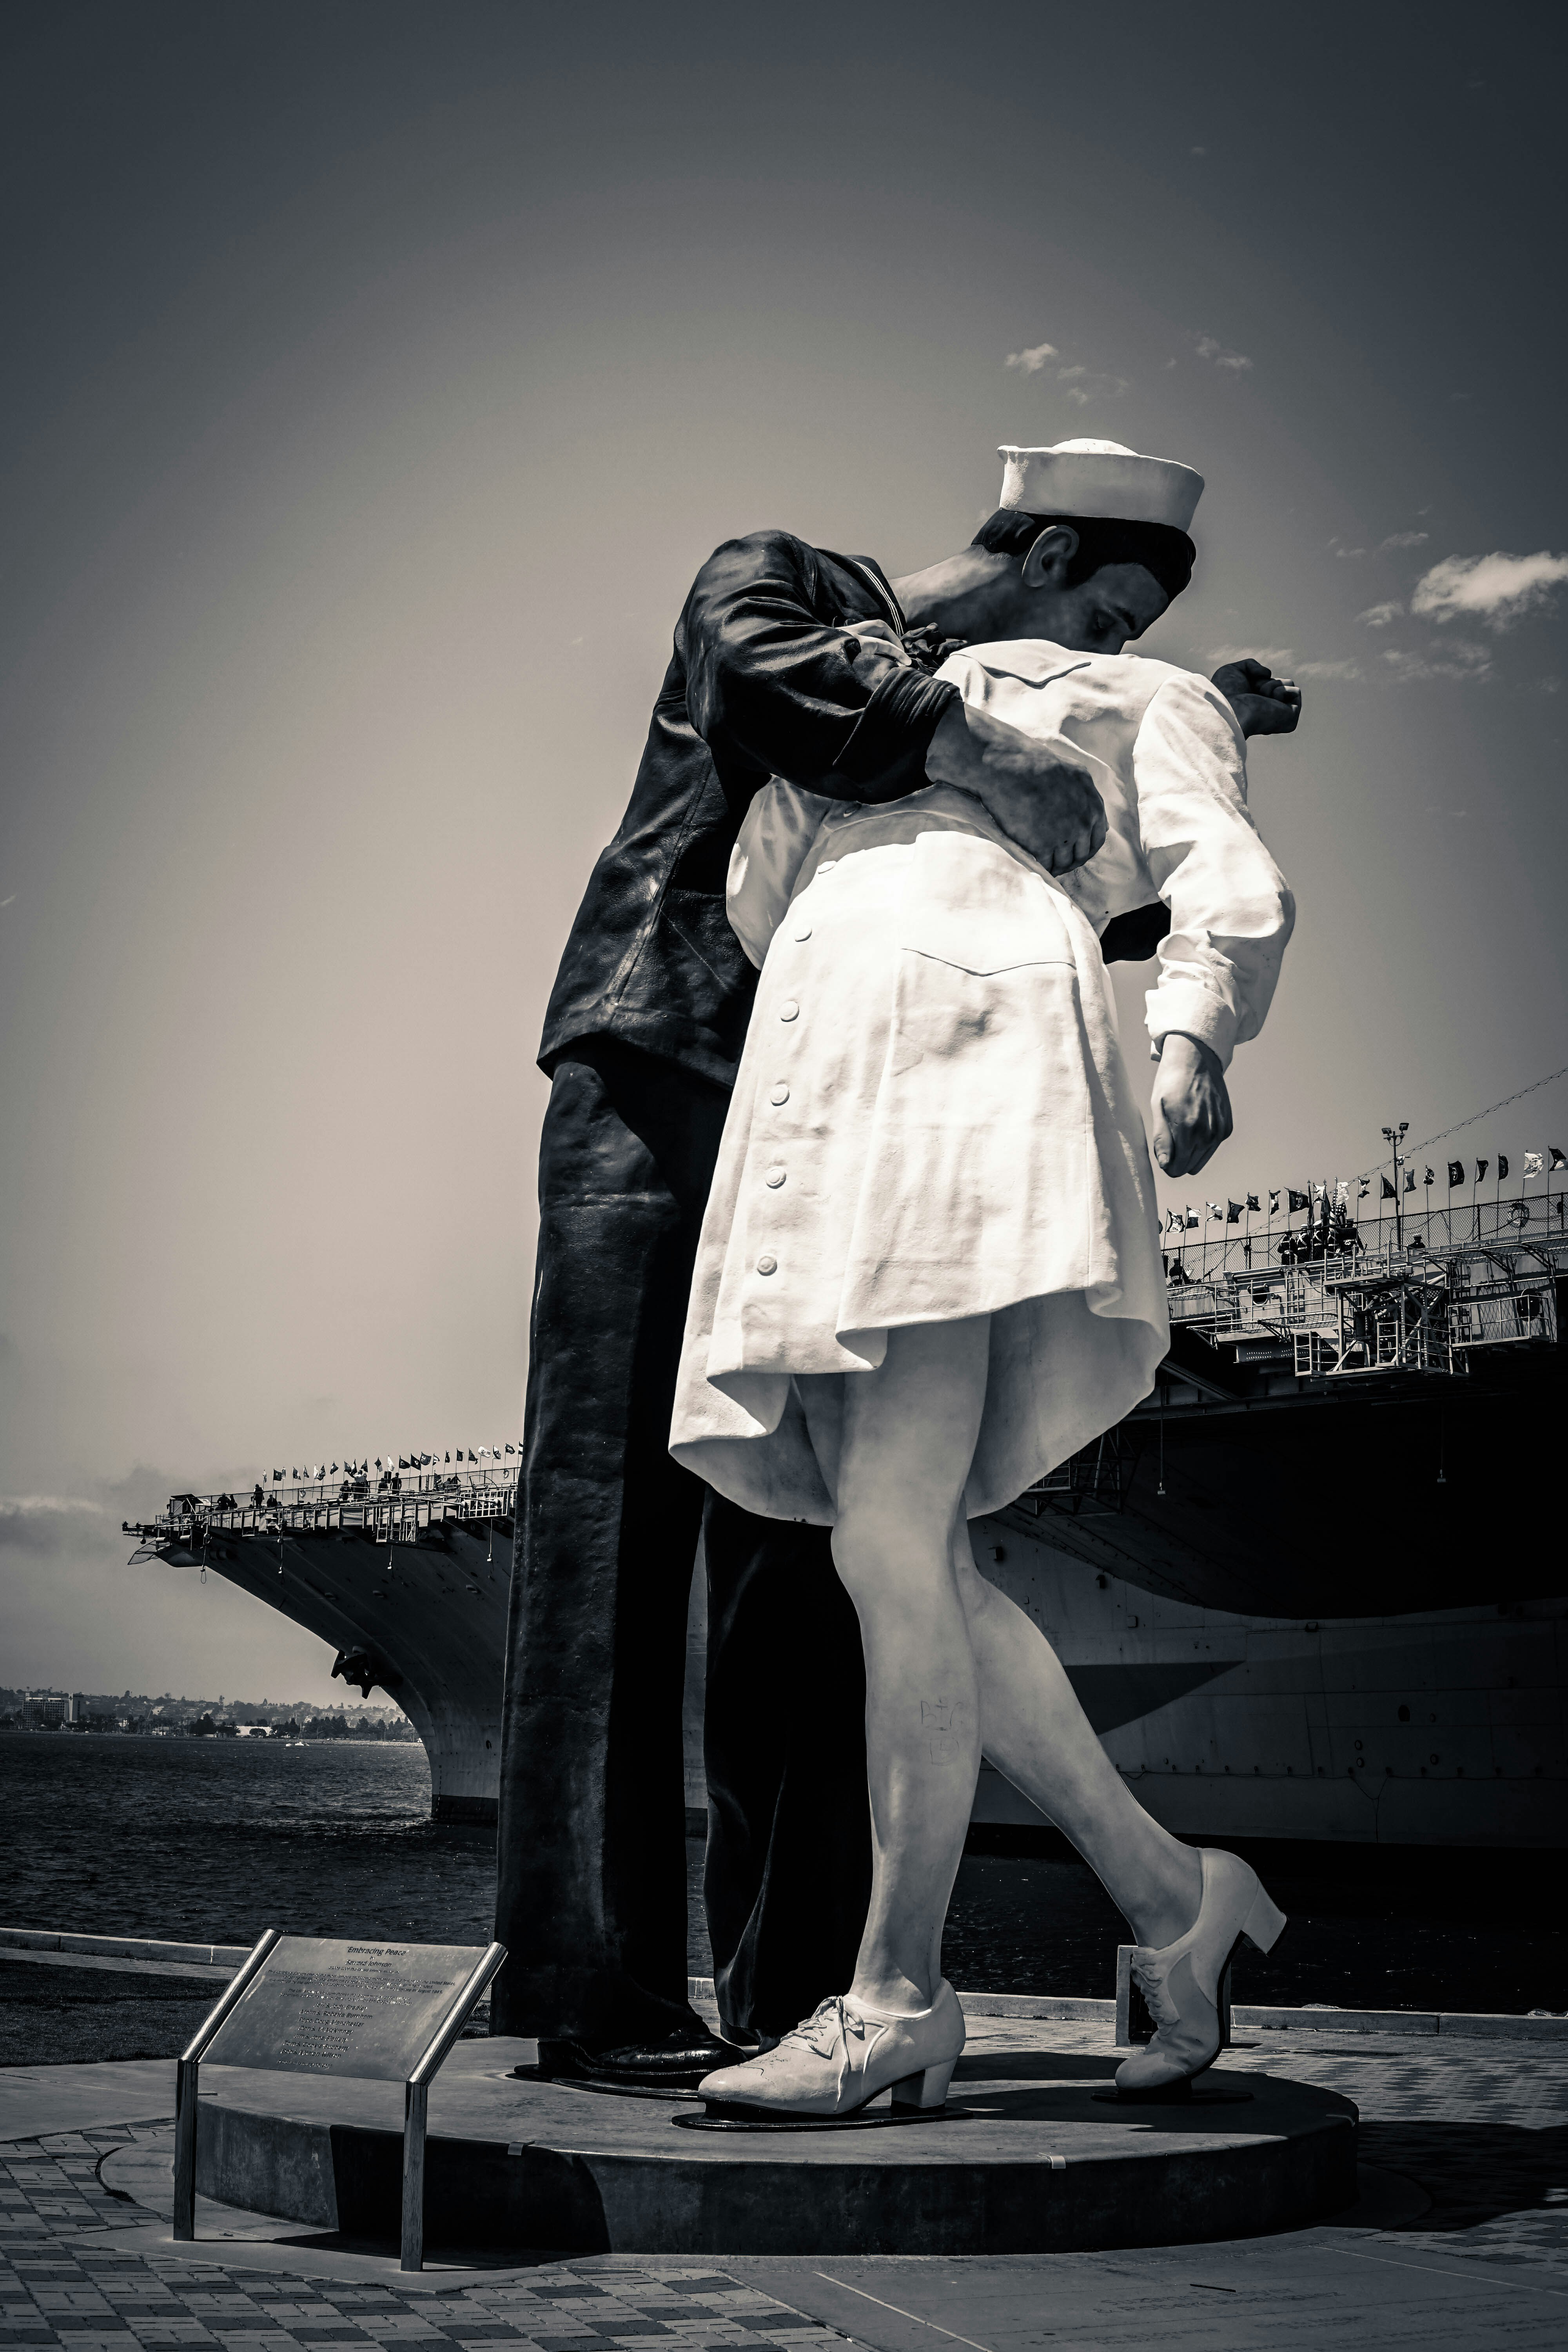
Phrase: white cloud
[43,1523]
[1274,658]
[1082,385]
[1378,617]
[1458,659]
[1207,348]
[1348,555]
[1403,538]
[1495,589]
[1283,662]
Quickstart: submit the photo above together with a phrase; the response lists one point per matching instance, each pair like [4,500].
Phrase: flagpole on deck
[1393,1136]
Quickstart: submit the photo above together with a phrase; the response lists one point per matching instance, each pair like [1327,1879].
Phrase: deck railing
[1427,1307]
[423,1499]
[1394,1310]
[1536,1218]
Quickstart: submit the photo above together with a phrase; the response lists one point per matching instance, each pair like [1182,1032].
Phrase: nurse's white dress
[933,1118]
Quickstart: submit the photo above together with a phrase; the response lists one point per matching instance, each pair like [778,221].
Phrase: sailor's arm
[772,686]
[842,711]
[1033,786]
[1231,912]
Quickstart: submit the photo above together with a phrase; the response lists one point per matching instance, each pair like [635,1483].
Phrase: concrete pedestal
[1027,2160]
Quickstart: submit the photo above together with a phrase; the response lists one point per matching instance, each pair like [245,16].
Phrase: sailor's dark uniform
[642,1039]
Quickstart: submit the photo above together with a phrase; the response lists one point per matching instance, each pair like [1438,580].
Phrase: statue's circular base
[1220,2094]
[877,2116]
[1029,2161]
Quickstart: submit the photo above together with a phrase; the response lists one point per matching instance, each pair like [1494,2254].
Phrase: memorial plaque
[321,2007]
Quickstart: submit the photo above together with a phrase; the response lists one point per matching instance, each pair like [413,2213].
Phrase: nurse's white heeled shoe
[1182,1982]
[844,2056]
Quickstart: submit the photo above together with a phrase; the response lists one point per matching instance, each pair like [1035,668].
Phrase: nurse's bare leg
[904,1440]
[1036,1731]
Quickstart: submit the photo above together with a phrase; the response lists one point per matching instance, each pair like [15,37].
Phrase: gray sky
[378,376]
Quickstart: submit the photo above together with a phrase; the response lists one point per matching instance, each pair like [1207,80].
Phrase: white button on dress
[774,1178]
[789,1009]
[779,1096]
[767,1264]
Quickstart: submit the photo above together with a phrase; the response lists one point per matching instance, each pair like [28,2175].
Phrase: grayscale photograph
[785,1180]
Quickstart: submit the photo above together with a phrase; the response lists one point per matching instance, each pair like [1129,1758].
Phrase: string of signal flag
[1315,1198]
[1490,1111]
[1231,1212]
[390,1463]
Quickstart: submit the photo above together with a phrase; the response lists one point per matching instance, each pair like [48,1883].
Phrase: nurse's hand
[1192,1105]
[1045,802]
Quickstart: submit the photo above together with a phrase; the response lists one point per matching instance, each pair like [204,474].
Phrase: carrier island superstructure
[1314,1586]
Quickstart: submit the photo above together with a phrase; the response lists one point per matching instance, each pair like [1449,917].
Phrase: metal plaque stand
[188,2076]
[417,2100]
[416,2093]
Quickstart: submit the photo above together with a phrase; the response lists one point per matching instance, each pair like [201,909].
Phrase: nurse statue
[929,1267]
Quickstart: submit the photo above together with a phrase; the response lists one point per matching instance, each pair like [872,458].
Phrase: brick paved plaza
[1461,2240]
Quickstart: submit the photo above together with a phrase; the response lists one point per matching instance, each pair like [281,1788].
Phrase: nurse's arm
[1231,910]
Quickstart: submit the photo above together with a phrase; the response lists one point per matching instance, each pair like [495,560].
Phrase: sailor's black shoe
[678,2061]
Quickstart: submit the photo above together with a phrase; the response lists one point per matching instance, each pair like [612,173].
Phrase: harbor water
[211,1840]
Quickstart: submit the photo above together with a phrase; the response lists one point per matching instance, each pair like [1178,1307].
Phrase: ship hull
[1437,1727]
[1427,1727]
[426,1618]
[1351,1446]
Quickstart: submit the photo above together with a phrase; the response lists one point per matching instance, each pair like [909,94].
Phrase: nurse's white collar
[1033,659]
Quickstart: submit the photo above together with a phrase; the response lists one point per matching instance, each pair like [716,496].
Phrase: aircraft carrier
[1314,1586]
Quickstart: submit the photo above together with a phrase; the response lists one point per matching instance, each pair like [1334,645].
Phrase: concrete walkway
[35,2099]
[1460,2240]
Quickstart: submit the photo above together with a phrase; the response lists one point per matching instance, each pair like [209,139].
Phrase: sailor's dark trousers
[591,1901]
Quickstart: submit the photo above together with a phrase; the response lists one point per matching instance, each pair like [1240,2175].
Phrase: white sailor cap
[1100,479]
